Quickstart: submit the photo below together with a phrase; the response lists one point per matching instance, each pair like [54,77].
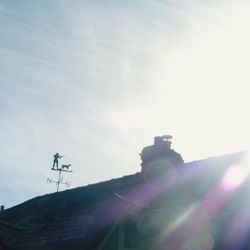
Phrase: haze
[97,80]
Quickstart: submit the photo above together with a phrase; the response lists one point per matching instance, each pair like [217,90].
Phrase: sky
[96,80]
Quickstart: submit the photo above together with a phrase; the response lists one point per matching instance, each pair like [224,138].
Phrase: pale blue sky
[97,80]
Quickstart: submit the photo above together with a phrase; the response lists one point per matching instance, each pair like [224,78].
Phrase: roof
[76,216]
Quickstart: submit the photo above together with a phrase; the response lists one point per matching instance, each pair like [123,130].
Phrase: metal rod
[59,180]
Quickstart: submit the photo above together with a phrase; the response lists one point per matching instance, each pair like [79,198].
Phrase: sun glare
[234,177]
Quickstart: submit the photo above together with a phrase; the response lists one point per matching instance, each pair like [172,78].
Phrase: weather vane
[63,168]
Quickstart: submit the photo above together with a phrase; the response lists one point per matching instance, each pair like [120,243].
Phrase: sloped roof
[81,216]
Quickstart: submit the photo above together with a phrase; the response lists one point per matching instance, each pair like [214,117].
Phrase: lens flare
[234,177]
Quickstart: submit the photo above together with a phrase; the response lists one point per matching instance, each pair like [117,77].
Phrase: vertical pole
[59,180]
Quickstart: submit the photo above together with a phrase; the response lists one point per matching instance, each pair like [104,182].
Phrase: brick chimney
[159,159]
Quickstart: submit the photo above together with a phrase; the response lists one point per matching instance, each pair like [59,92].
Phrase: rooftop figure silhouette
[56,159]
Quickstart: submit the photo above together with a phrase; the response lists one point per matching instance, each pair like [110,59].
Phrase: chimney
[2,208]
[159,158]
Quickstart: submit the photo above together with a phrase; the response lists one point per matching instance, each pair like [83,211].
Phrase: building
[168,205]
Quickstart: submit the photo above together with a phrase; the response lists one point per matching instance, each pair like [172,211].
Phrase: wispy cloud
[96,80]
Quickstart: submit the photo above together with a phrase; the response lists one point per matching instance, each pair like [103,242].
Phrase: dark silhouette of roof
[79,218]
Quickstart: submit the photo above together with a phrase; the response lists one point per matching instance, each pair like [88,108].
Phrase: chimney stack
[2,208]
[159,156]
